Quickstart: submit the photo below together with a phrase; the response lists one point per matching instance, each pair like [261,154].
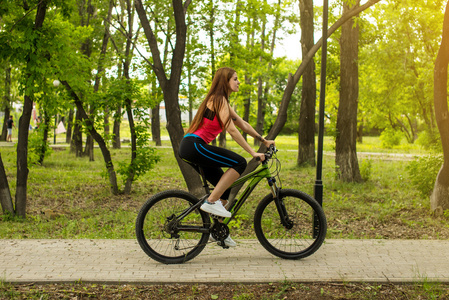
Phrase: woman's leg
[211,159]
[225,182]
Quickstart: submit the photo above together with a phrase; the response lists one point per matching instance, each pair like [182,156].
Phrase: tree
[397,97]
[24,121]
[306,131]
[170,85]
[345,151]
[5,193]
[293,80]
[440,196]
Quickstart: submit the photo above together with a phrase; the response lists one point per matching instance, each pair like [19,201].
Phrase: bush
[390,138]
[366,167]
[430,141]
[37,146]
[423,171]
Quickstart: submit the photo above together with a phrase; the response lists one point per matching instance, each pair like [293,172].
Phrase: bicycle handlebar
[269,153]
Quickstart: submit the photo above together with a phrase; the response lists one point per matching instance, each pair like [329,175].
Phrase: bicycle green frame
[256,176]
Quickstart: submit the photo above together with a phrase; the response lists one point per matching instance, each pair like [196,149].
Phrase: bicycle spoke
[296,241]
[164,236]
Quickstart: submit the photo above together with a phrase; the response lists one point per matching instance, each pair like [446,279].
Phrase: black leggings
[211,159]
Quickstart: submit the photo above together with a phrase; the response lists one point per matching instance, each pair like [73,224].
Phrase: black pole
[318,190]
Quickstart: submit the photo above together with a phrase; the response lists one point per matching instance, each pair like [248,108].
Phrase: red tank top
[210,127]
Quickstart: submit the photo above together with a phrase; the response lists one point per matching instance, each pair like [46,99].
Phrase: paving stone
[121,261]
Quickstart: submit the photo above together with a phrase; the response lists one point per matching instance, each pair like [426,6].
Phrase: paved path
[122,261]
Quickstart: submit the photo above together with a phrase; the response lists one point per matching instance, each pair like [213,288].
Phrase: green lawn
[69,197]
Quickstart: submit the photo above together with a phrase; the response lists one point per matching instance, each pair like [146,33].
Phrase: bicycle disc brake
[220,232]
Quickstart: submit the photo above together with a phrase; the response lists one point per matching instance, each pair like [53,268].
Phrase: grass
[69,197]
[282,290]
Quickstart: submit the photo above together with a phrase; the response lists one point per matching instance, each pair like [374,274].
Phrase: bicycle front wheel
[163,235]
[298,238]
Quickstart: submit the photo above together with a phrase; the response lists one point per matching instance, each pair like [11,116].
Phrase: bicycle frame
[256,176]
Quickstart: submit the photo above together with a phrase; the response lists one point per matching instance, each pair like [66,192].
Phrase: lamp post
[318,189]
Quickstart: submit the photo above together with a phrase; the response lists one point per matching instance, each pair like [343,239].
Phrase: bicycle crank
[220,232]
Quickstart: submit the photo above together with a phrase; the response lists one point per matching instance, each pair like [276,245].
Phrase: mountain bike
[290,224]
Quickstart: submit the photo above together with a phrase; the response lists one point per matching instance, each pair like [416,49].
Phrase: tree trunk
[69,125]
[439,200]
[156,124]
[170,87]
[77,136]
[116,143]
[106,126]
[100,141]
[44,141]
[5,193]
[89,148]
[7,103]
[128,101]
[24,121]
[260,99]
[306,130]
[247,103]
[345,151]
[234,38]
[132,172]
[100,68]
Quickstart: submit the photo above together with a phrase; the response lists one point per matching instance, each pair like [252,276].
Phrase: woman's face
[234,83]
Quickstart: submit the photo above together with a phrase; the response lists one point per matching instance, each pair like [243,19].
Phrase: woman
[213,116]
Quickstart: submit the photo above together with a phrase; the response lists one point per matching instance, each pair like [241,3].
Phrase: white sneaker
[216,208]
[228,241]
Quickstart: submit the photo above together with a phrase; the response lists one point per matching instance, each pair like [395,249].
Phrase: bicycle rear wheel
[297,240]
[158,228]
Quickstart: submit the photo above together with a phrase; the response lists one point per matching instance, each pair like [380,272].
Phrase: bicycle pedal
[222,244]
[219,218]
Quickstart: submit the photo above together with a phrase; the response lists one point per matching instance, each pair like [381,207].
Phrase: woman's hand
[268,143]
[261,156]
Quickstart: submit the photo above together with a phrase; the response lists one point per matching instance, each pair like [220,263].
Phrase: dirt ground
[286,290]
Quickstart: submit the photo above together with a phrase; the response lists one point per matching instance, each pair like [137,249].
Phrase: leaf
[214,297]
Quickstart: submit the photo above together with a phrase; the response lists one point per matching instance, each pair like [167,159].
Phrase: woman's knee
[241,166]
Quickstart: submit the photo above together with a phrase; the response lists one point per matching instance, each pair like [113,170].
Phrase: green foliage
[390,138]
[430,141]
[146,157]
[399,94]
[366,167]
[37,145]
[423,171]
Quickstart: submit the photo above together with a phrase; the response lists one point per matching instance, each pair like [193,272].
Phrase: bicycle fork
[275,190]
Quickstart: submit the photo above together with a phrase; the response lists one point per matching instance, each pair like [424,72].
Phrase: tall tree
[407,36]
[293,80]
[440,196]
[128,101]
[24,122]
[306,130]
[345,151]
[260,80]
[170,85]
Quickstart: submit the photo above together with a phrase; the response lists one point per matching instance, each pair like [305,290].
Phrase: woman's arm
[246,127]
[227,112]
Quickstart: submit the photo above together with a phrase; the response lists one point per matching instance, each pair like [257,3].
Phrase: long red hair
[219,88]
